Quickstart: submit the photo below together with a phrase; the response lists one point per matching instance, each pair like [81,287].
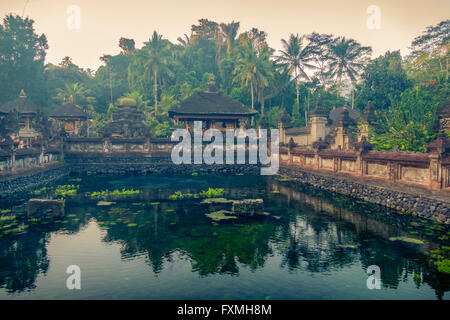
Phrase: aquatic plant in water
[221,215]
[210,193]
[440,258]
[66,190]
[124,193]
[40,191]
[443,266]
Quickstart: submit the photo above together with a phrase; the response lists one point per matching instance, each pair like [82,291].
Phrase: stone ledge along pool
[181,237]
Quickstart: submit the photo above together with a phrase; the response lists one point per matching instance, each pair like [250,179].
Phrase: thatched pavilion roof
[68,110]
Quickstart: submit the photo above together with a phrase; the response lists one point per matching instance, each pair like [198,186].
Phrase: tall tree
[77,94]
[321,44]
[433,39]
[347,59]
[66,61]
[127,45]
[206,30]
[252,70]
[383,78]
[156,59]
[184,42]
[22,55]
[245,69]
[297,57]
[430,56]
[230,30]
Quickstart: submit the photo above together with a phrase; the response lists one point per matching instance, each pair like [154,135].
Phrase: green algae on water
[221,215]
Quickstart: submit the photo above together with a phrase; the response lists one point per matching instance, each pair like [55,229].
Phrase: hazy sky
[103,22]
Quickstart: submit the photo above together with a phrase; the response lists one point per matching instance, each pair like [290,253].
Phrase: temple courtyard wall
[411,183]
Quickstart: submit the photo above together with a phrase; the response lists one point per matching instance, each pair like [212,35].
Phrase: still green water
[313,245]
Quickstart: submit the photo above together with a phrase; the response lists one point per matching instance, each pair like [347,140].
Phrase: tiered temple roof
[22,105]
[127,121]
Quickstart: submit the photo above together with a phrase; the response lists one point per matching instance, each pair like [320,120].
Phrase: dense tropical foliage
[336,69]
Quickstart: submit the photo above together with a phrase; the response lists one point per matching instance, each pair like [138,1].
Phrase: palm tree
[219,39]
[77,94]
[244,71]
[107,60]
[66,61]
[297,57]
[321,44]
[264,72]
[155,56]
[141,103]
[185,42]
[252,69]
[230,31]
[347,59]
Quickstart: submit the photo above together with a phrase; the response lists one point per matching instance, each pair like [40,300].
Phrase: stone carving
[9,125]
[127,121]
[47,128]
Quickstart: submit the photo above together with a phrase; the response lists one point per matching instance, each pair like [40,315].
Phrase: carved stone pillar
[13,159]
[435,171]
[336,164]
[392,171]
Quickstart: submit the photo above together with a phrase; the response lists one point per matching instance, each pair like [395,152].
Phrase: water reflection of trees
[313,234]
[212,249]
[306,240]
[21,260]
[24,256]
[343,221]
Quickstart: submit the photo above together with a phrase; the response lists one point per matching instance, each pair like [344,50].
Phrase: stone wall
[22,159]
[350,172]
[142,163]
[424,169]
[15,184]
[414,202]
